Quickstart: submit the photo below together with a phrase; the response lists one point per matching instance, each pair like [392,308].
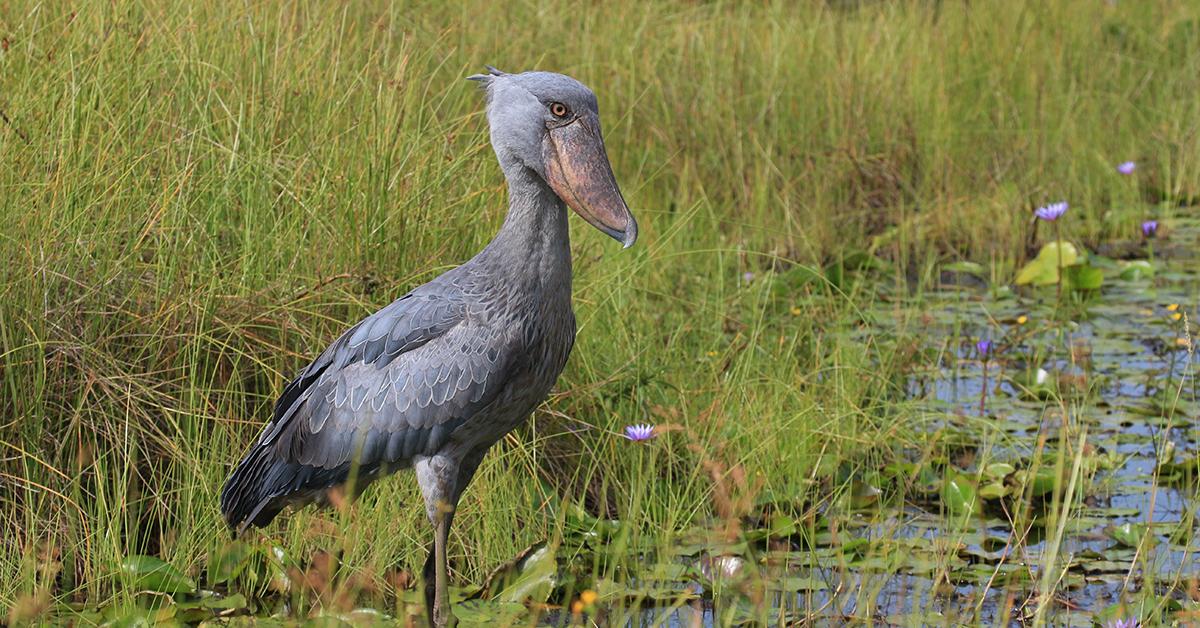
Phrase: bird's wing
[393,386]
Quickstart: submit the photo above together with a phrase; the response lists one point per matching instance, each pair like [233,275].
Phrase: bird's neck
[533,245]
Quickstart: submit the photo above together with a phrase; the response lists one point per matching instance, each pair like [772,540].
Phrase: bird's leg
[442,483]
[429,580]
[442,614]
[436,575]
[436,475]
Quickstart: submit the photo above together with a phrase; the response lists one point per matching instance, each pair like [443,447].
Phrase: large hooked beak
[577,169]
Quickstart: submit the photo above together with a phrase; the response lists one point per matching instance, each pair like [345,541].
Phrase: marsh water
[1100,388]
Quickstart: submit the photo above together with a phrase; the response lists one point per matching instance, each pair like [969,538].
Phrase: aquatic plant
[984,349]
[1051,212]
[1149,233]
[639,432]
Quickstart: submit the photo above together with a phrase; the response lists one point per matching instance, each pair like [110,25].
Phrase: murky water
[1121,369]
[1128,362]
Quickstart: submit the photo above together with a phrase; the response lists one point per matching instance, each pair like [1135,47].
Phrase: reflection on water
[1116,370]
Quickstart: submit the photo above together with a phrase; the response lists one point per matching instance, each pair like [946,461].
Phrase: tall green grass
[196,197]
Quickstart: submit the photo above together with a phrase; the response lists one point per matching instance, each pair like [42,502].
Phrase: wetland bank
[865,408]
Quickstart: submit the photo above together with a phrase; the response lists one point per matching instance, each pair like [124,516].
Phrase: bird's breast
[549,337]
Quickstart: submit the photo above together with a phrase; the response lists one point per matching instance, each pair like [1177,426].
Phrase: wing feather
[397,384]
[353,401]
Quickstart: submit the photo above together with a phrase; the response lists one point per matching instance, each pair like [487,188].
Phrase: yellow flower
[712,354]
[1022,319]
[588,597]
[1183,342]
[796,311]
[1172,307]
[1176,316]
[576,607]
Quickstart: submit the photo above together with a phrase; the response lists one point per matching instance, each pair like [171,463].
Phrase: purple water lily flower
[1126,167]
[640,432]
[1149,228]
[1051,212]
[984,347]
[1122,622]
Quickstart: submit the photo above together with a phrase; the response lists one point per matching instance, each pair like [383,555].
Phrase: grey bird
[434,379]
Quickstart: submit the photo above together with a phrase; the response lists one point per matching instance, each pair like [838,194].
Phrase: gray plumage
[410,380]
[438,376]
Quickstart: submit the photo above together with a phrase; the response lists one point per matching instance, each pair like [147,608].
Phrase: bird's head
[550,124]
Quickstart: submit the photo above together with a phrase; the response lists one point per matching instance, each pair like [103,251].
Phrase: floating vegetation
[868,370]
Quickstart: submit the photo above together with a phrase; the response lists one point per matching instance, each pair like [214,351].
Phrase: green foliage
[1084,277]
[532,579]
[1044,269]
[1128,534]
[226,563]
[147,573]
[198,197]
[1077,273]
[1136,270]
[959,495]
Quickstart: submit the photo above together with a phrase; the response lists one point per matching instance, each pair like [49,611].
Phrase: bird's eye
[558,109]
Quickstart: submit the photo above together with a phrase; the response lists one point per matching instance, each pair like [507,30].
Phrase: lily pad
[959,494]
[1137,270]
[137,618]
[1084,277]
[863,495]
[1043,270]
[998,470]
[793,584]
[488,612]
[1180,473]
[209,605]
[532,578]
[855,546]
[1037,483]
[993,490]
[227,562]
[147,573]
[1128,534]
[779,527]
[1035,384]
[970,268]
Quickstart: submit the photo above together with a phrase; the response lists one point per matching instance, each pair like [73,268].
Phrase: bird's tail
[251,496]
[262,485]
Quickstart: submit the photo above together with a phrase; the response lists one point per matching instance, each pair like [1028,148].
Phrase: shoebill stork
[438,376]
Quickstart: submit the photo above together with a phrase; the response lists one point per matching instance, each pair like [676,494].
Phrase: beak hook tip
[631,235]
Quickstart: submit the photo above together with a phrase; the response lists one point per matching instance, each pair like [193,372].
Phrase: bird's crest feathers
[486,79]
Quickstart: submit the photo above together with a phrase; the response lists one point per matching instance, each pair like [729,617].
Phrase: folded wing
[395,385]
